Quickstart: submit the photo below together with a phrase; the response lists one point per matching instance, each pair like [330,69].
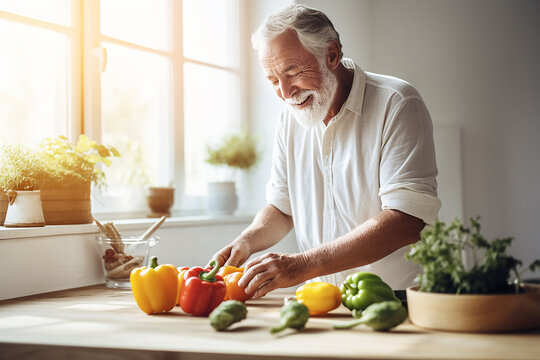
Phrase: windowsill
[68,254]
[122,224]
[70,257]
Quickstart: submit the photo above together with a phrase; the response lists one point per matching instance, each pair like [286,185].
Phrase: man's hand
[272,271]
[233,254]
[267,229]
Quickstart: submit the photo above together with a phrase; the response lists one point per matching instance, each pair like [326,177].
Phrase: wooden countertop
[100,322]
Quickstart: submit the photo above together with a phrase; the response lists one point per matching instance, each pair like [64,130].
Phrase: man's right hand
[234,254]
[268,228]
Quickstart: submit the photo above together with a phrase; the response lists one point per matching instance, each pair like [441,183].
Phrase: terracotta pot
[24,209]
[475,313]
[3,206]
[68,205]
[160,200]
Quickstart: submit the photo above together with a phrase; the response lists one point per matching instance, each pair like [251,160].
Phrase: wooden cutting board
[101,322]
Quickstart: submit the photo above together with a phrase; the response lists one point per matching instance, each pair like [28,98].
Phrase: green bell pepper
[293,315]
[381,316]
[361,289]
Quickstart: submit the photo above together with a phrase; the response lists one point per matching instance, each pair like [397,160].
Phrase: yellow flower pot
[3,206]
[67,205]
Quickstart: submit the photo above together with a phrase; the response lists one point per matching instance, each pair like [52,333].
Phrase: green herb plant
[21,168]
[234,152]
[76,164]
[441,250]
[58,163]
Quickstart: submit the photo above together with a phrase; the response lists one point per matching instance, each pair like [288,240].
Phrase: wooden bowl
[475,313]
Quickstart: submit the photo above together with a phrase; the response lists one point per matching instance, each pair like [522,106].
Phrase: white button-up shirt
[377,153]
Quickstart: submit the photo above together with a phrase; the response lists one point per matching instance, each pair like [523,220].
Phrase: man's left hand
[272,271]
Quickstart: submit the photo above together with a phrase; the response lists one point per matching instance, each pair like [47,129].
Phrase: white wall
[264,107]
[67,256]
[477,65]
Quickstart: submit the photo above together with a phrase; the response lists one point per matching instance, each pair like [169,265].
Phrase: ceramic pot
[160,200]
[24,209]
[3,206]
[221,198]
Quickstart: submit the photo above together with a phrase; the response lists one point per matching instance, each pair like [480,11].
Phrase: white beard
[322,100]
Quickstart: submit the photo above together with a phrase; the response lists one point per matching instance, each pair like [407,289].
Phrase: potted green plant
[236,152]
[72,169]
[62,172]
[21,173]
[485,296]
[3,206]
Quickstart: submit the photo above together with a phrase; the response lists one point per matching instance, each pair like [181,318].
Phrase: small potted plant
[22,172]
[3,206]
[160,199]
[486,296]
[236,152]
[72,169]
[62,172]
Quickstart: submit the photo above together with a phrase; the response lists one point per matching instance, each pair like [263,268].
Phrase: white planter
[221,198]
[24,209]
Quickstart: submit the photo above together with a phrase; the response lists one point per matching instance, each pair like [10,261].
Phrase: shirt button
[327,152]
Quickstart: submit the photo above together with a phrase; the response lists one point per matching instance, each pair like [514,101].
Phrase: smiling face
[305,84]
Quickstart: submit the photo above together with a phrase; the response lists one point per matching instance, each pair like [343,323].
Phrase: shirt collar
[355,100]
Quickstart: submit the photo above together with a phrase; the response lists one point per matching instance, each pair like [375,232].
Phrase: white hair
[312,26]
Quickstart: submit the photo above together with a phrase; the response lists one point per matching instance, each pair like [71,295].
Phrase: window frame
[88,60]
[74,34]
[95,62]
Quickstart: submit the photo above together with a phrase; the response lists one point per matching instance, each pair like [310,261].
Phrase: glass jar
[120,256]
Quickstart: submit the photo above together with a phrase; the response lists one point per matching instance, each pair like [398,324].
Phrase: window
[158,79]
[211,80]
[39,67]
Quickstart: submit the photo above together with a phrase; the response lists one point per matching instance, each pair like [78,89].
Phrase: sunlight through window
[35,85]
[157,79]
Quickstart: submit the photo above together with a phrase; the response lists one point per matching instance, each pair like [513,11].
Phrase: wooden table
[104,323]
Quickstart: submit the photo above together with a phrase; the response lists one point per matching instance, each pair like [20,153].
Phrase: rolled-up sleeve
[408,166]
[277,189]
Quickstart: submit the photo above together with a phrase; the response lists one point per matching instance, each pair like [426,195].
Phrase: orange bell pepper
[181,271]
[154,287]
[231,275]
[226,270]
[235,292]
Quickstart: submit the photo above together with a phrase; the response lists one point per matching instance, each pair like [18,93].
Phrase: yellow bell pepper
[154,287]
[319,297]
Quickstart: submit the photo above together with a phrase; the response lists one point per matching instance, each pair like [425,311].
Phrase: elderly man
[353,168]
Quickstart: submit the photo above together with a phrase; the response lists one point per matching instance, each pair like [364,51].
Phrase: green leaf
[535,265]
[440,253]
[103,151]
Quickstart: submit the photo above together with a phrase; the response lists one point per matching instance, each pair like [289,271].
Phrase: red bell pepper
[202,290]
[181,271]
